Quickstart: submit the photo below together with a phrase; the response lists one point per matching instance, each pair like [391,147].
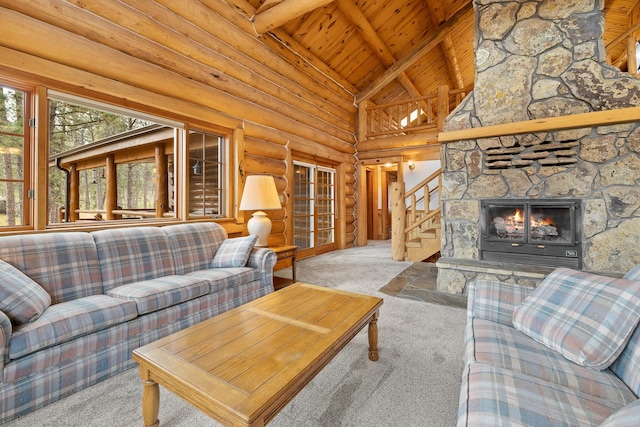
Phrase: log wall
[200,60]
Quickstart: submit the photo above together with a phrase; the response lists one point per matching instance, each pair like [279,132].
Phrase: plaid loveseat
[73,306]
[566,353]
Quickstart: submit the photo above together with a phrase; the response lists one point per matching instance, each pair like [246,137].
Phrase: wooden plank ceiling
[395,49]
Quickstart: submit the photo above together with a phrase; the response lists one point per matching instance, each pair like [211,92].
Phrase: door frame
[369,194]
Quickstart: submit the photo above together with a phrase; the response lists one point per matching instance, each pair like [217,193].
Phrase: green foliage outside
[11,156]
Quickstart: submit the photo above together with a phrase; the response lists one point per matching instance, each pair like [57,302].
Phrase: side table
[285,253]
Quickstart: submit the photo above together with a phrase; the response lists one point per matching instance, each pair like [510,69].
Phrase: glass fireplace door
[544,232]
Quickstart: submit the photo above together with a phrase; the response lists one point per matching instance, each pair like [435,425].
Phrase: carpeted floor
[415,383]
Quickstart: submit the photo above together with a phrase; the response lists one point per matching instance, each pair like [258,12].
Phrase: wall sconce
[412,166]
[197,168]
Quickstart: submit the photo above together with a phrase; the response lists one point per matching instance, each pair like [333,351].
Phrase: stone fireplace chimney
[534,60]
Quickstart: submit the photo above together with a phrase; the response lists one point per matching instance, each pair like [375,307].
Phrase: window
[104,163]
[109,163]
[314,212]
[14,151]
[206,177]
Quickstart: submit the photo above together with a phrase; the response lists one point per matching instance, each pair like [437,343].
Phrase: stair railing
[406,218]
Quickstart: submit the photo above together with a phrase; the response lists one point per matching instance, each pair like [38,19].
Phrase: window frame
[37,101]
[27,150]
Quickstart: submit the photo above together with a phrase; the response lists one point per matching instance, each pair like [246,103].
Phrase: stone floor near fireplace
[418,282]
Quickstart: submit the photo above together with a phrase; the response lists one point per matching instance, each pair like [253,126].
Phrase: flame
[517,216]
[539,222]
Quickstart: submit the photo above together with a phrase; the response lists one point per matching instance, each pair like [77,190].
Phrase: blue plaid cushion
[156,294]
[234,252]
[585,317]
[633,274]
[629,416]
[69,320]
[493,397]
[21,299]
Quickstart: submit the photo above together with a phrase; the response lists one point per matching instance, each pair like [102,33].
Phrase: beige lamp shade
[260,193]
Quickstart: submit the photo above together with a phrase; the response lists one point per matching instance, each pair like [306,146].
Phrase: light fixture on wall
[260,194]
[197,168]
[412,166]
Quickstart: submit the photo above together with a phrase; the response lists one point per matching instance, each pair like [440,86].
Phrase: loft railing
[412,115]
[408,219]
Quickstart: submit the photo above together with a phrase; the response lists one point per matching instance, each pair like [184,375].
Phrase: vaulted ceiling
[386,50]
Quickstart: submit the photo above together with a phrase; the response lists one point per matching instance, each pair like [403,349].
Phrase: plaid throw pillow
[21,299]
[585,317]
[234,252]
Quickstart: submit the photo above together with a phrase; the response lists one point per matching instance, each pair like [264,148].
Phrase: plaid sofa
[515,376]
[110,292]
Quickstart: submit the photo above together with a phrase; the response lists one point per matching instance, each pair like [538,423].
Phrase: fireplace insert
[543,232]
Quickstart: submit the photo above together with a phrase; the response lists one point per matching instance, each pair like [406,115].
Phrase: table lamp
[260,194]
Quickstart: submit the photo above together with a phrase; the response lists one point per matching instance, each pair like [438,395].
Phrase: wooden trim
[361,207]
[341,206]
[40,153]
[575,121]
[236,174]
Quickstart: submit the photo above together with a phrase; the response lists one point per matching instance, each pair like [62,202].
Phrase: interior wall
[422,170]
[201,60]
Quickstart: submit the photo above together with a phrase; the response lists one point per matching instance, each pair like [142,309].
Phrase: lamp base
[260,225]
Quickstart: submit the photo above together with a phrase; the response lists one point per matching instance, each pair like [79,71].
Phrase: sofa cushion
[492,396]
[585,317]
[507,348]
[495,301]
[234,252]
[155,294]
[64,264]
[633,274]
[130,255]
[193,245]
[225,278]
[68,320]
[629,416]
[21,299]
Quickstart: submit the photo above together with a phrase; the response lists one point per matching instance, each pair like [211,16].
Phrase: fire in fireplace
[537,232]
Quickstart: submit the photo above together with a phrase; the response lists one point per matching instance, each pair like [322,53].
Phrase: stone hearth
[539,59]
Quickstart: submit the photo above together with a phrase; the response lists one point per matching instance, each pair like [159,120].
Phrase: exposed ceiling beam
[452,62]
[418,52]
[283,12]
[369,34]
[437,13]
[268,4]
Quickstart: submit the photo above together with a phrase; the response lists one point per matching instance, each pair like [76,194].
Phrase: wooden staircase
[415,227]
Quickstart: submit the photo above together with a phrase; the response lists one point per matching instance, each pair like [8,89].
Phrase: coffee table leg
[373,337]
[150,403]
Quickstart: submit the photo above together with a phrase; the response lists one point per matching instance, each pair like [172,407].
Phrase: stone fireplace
[534,60]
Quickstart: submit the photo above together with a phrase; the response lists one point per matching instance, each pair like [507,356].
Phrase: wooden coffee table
[243,366]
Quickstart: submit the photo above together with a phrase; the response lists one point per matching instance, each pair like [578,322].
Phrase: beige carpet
[415,382]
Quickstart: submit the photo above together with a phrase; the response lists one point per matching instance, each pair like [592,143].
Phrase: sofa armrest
[5,335]
[264,259]
[495,301]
